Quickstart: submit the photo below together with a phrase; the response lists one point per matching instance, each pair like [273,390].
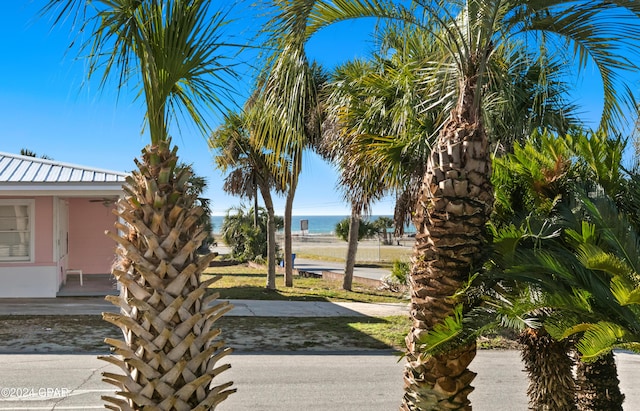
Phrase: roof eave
[68,189]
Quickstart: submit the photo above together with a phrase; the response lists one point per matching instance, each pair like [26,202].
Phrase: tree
[197,186]
[457,195]
[382,225]
[246,240]
[249,170]
[287,78]
[568,242]
[352,230]
[172,52]
[375,126]
[365,229]
[29,153]
[366,99]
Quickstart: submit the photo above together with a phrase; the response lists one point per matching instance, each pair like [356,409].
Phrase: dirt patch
[54,333]
[44,334]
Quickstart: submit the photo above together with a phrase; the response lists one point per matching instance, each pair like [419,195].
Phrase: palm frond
[443,333]
[173,52]
[599,339]
[585,31]
[625,291]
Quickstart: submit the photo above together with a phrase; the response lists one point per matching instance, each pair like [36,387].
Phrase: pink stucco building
[52,221]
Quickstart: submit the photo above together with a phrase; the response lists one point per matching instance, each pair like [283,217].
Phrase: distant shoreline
[319,225]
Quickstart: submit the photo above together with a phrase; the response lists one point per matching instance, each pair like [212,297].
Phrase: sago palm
[549,275]
[586,244]
[457,196]
[171,51]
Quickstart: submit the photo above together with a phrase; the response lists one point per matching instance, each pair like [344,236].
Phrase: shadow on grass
[248,292]
[245,276]
[248,283]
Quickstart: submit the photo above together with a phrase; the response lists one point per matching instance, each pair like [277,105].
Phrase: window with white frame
[16,224]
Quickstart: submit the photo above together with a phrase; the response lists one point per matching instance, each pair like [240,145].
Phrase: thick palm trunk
[288,248]
[169,353]
[598,386]
[550,370]
[271,238]
[454,206]
[352,249]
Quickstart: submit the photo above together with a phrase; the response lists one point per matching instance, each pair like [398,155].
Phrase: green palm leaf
[625,292]
[443,334]
[599,339]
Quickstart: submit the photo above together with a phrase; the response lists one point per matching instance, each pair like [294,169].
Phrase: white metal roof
[23,169]
[30,174]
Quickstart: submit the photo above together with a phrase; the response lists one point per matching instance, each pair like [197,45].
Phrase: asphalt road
[281,382]
[316,266]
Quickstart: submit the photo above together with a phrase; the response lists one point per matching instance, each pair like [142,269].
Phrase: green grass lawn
[244,282]
[383,255]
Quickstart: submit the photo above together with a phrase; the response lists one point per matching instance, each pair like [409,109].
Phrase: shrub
[365,229]
[247,242]
[400,272]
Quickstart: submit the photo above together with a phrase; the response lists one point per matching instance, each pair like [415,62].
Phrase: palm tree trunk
[271,238]
[169,352]
[352,249]
[255,204]
[454,205]
[288,248]
[598,386]
[550,370]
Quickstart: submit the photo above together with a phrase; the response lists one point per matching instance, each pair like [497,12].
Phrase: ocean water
[317,224]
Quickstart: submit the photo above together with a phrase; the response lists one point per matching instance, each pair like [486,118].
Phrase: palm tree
[457,195]
[581,303]
[173,51]
[366,102]
[250,170]
[288,79]
[528,183]
[376,121]
[197,186]
[360,183]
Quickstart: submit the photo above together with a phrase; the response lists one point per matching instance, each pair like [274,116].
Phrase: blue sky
[45,108]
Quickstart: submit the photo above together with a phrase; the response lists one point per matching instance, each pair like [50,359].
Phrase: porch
[93,285]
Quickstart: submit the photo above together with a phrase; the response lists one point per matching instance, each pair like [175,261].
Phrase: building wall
[28,281]
[44,230]
[90,250]
[39,278]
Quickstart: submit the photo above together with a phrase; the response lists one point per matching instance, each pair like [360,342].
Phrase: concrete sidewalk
[242,308]
[251,308]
